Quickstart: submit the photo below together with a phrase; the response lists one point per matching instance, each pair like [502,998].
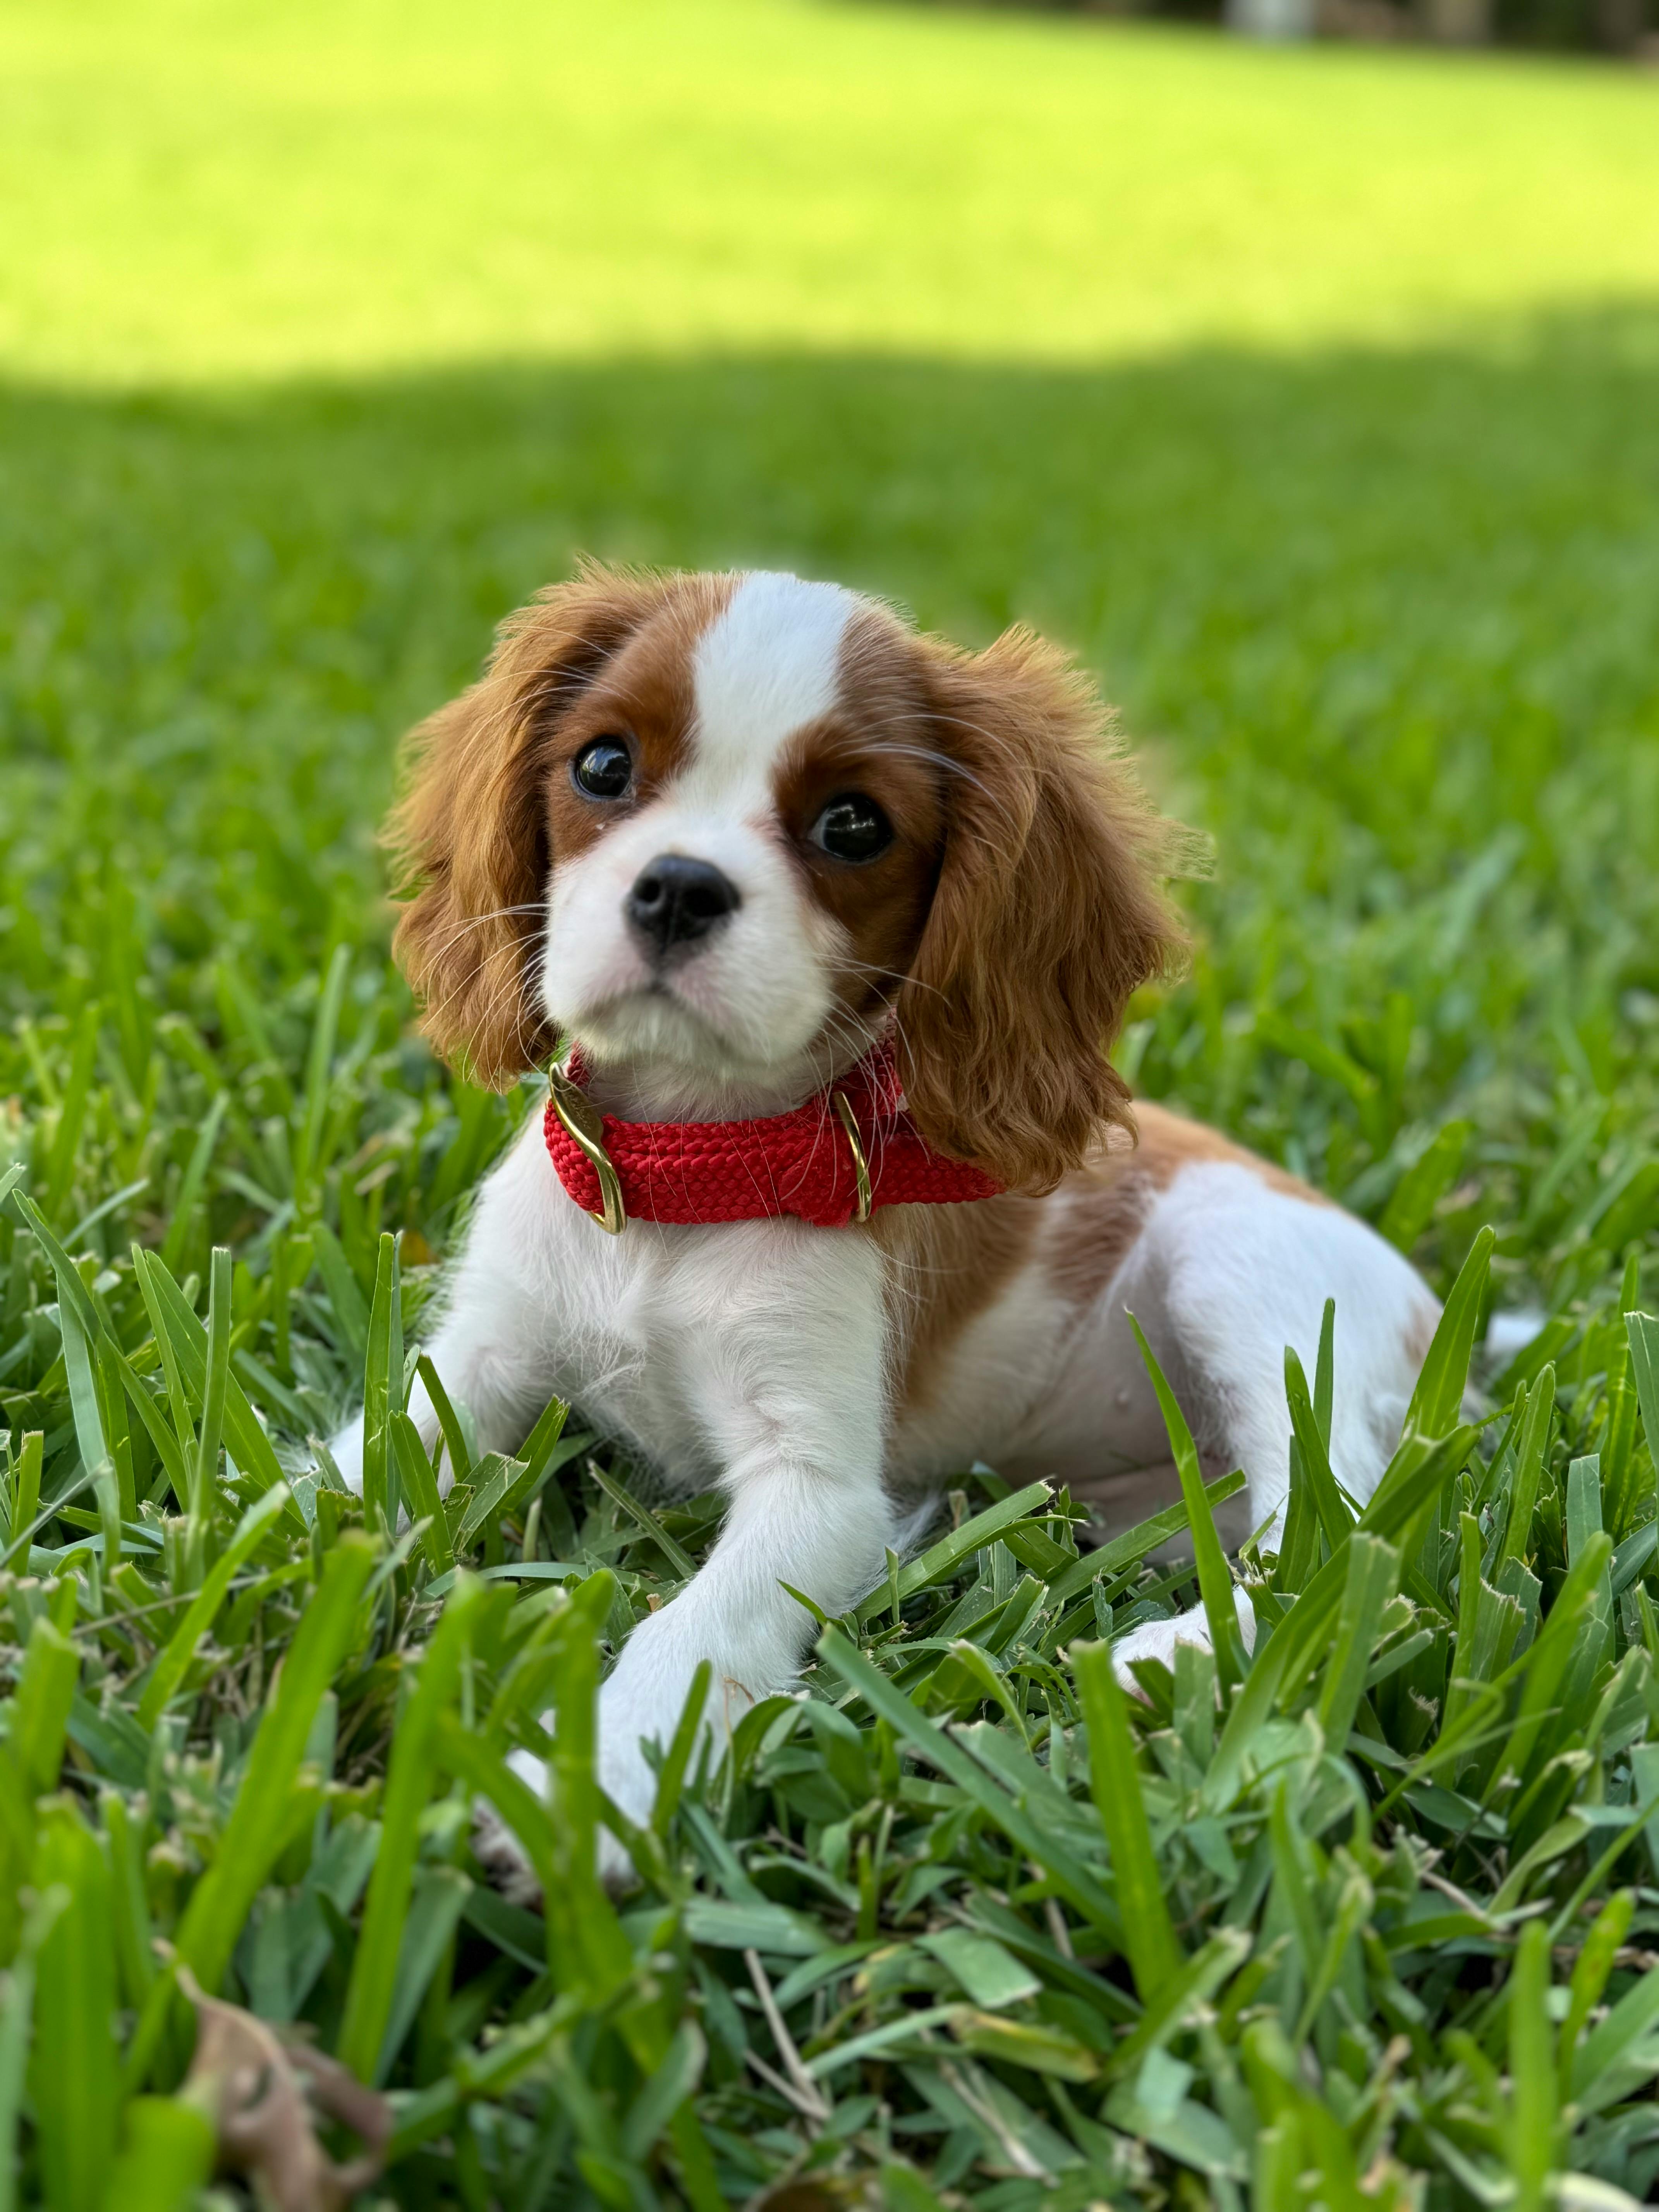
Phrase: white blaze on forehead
[768,666]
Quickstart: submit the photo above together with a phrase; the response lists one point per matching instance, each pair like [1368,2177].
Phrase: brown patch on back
[947,1265]
[1169,1142]
[1101,1209]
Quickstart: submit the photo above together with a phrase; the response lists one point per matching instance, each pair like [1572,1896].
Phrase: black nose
[675,901]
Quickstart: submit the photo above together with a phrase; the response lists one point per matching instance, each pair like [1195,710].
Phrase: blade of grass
[1547,1660]
[1531,1449]
[170,1665]
[573,1783]
[942,1559]
[128,1899]
[671,1777]
[16,2032]
[1590,1969]
[1193,1984]
[1531,2070]
[535,1455]
[166,2158]
[40,1706]
[1417,1474]
[89,1434]
[204,1467]
[25,1494]
[1372,1578]
[1334,1518]
[382,1388]
[1325,1373]
[1134,1543]
[1215,1585]
[74,2078]
[318,1064]
[1114,1778]
[253,1833]
[410,1781]
[461,1459]
[72,1114]
[937,1746]
[675,1554]
[173,1454]
[190,1186]
[247,1443]
[183,1420]
[1439,1394]
[420,1486]
[70,1286]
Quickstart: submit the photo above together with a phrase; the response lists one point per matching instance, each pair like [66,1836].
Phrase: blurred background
[1305,386]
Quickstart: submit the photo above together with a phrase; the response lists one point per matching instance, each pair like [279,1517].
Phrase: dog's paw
[345,1449]
[506,1862]
[1157,1639]
[504,1858]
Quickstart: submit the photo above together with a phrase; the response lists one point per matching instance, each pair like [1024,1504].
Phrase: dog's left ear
[1047,916]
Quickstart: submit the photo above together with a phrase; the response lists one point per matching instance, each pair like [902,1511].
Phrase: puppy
[834,924]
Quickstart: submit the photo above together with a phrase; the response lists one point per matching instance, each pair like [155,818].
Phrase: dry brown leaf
[253,2086]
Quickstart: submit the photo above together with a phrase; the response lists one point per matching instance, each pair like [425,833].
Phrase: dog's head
[733,828]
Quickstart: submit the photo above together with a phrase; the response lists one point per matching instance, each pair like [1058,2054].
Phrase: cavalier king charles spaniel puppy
[827,926]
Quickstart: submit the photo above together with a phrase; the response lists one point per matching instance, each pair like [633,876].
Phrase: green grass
[1310,398]
[194,190]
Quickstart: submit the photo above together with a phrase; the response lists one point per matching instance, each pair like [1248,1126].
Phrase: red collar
[851,1148]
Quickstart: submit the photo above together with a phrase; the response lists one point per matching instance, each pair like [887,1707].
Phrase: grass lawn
[1312,396]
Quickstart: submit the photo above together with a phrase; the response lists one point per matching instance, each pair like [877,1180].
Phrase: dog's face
[743,827]
[735,827]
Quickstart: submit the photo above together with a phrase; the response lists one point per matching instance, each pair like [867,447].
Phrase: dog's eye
[852,828]
[602,770]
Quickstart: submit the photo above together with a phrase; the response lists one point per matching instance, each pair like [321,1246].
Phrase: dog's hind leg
[1231,1270]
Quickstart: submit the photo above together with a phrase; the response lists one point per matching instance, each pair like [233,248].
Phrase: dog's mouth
[694,1064]
[653,1023]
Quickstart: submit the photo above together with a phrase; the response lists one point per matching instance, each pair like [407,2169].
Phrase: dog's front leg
[817,1523]
[786,1383]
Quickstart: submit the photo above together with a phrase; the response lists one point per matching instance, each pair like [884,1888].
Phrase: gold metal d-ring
[861,1165]
[585,1126]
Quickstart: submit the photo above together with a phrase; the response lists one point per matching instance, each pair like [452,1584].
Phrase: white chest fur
[687,1341]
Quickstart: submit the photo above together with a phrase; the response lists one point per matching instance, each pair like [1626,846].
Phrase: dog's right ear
[469,837]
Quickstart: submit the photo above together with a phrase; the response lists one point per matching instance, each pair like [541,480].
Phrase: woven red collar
[848,1150]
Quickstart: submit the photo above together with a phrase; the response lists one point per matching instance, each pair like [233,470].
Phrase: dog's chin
[651,1031]
[650,1027]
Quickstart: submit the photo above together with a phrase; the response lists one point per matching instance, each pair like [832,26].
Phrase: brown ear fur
[469,838]
[1046,917]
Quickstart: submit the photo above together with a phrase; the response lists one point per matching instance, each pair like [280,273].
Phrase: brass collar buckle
[861,1165]
[585,1126]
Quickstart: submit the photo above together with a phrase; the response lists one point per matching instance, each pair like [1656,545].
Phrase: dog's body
[982,897]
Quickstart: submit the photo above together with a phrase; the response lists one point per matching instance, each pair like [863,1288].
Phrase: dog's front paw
[1157,1639]
[345,1449]
[503,1858]
[506,1862]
